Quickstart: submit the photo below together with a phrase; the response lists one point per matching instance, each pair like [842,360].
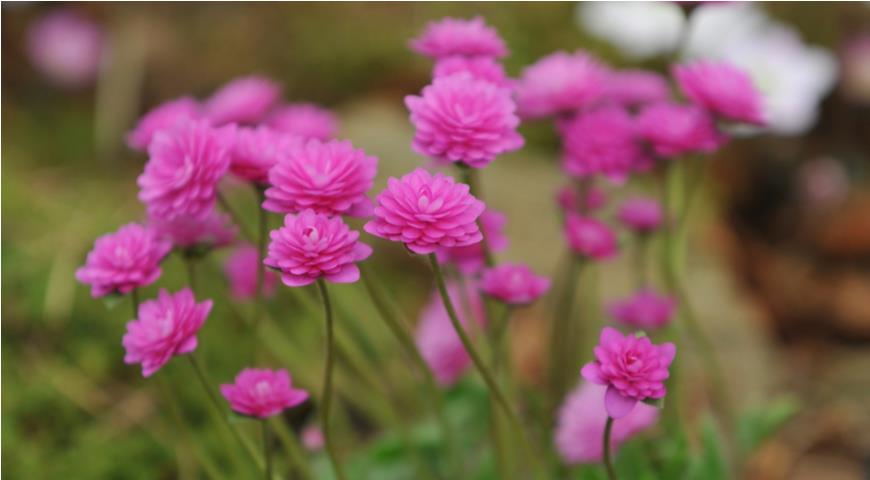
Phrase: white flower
[639,29]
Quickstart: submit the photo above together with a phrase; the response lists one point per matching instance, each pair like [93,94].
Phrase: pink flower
[672,129]
[425,212]
[513,284]
[214,230]
[436,338]
[184,167]
[123,261]
[721,88]
[455,36]
[66,47]
[580,427]
[632,368]
[304,120]
[636,87]
[162,117]
[257,150]
[311,246]
[481,68]
[241,271]
[560,83]
[312,438]
[602,142]
[262,393]
[165,327]
[569,199]
[462,119]
[590,237]
[646,309]
[245,100]
[470,258]
[331,178]
[641,214]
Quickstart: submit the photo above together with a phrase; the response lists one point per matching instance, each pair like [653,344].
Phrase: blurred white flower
[639,29]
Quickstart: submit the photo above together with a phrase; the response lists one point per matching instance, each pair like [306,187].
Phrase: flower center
[262,388]
[311,234]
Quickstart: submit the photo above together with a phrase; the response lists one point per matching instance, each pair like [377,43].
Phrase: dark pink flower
[721,88]
[124,260]
[462,119]
[569,199]
[455,36]
[241,271]
[311,246]
[426,212]
[305,120]
[331,178]
[481,68]
[262,393]
[165,116]
[646,309]
[590,237]
[245,100]
[214,230]
[184,167]
[641,214]
[165,327]
[632,368]
[66,47]
[470,258]
[560,83]
[636,87]
[672,129]
[257,150]
[514,284]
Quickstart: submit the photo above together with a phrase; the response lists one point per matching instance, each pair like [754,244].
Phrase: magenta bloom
[646,309]
[330,178]
[672,129]
[560,83]
[305,120]
[425,212]
[241,271]
[165,116]
[166,327]
[245,100]
[603,142]
[632,368]
[721,88]
[455,36]
[581,422]
[513,284]
[641,214]
[311,246]
[569,199]
[636,87]
[184,167]
[256,151]
[462,119]
[123,261]
[481,68]
[470,258]
[262,393]
[214,230]
[66,47]
[590,237]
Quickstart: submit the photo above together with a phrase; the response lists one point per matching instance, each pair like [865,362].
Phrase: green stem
[469,177]
[295,451]
[608,462]
[134,301]
[262,232]
[237,219]
[562,331]
[190,266]
[326,396]
[264,427]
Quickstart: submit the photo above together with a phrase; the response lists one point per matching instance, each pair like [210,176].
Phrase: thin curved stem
[264,427]
[237,219]
[608,462]
[134,301]
[326,396]
[262,232]
[469,177]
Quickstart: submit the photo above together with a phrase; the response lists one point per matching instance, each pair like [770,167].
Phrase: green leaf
[655,402]
[710,465]
[759,423]
[112,300]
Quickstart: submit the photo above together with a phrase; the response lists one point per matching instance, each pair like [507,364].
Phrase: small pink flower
[514,284]
[311,246]
[331,178]
[481,68]
[581,422]
[124,260]
[165,116]
[632,368]
[257,150]
[603,142]
[569,199]
[66,47]
[721,88]
[646,309]
[590,237]
[241,271]
[560,83]
[214,230]
[304,120]
[462,119]
[641,214]
[455,36]
[184,167]
[165,327]
[262,393]
[636,87]
[312,438]
[245,100]
[425,212]
[470,258]
[672,129]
